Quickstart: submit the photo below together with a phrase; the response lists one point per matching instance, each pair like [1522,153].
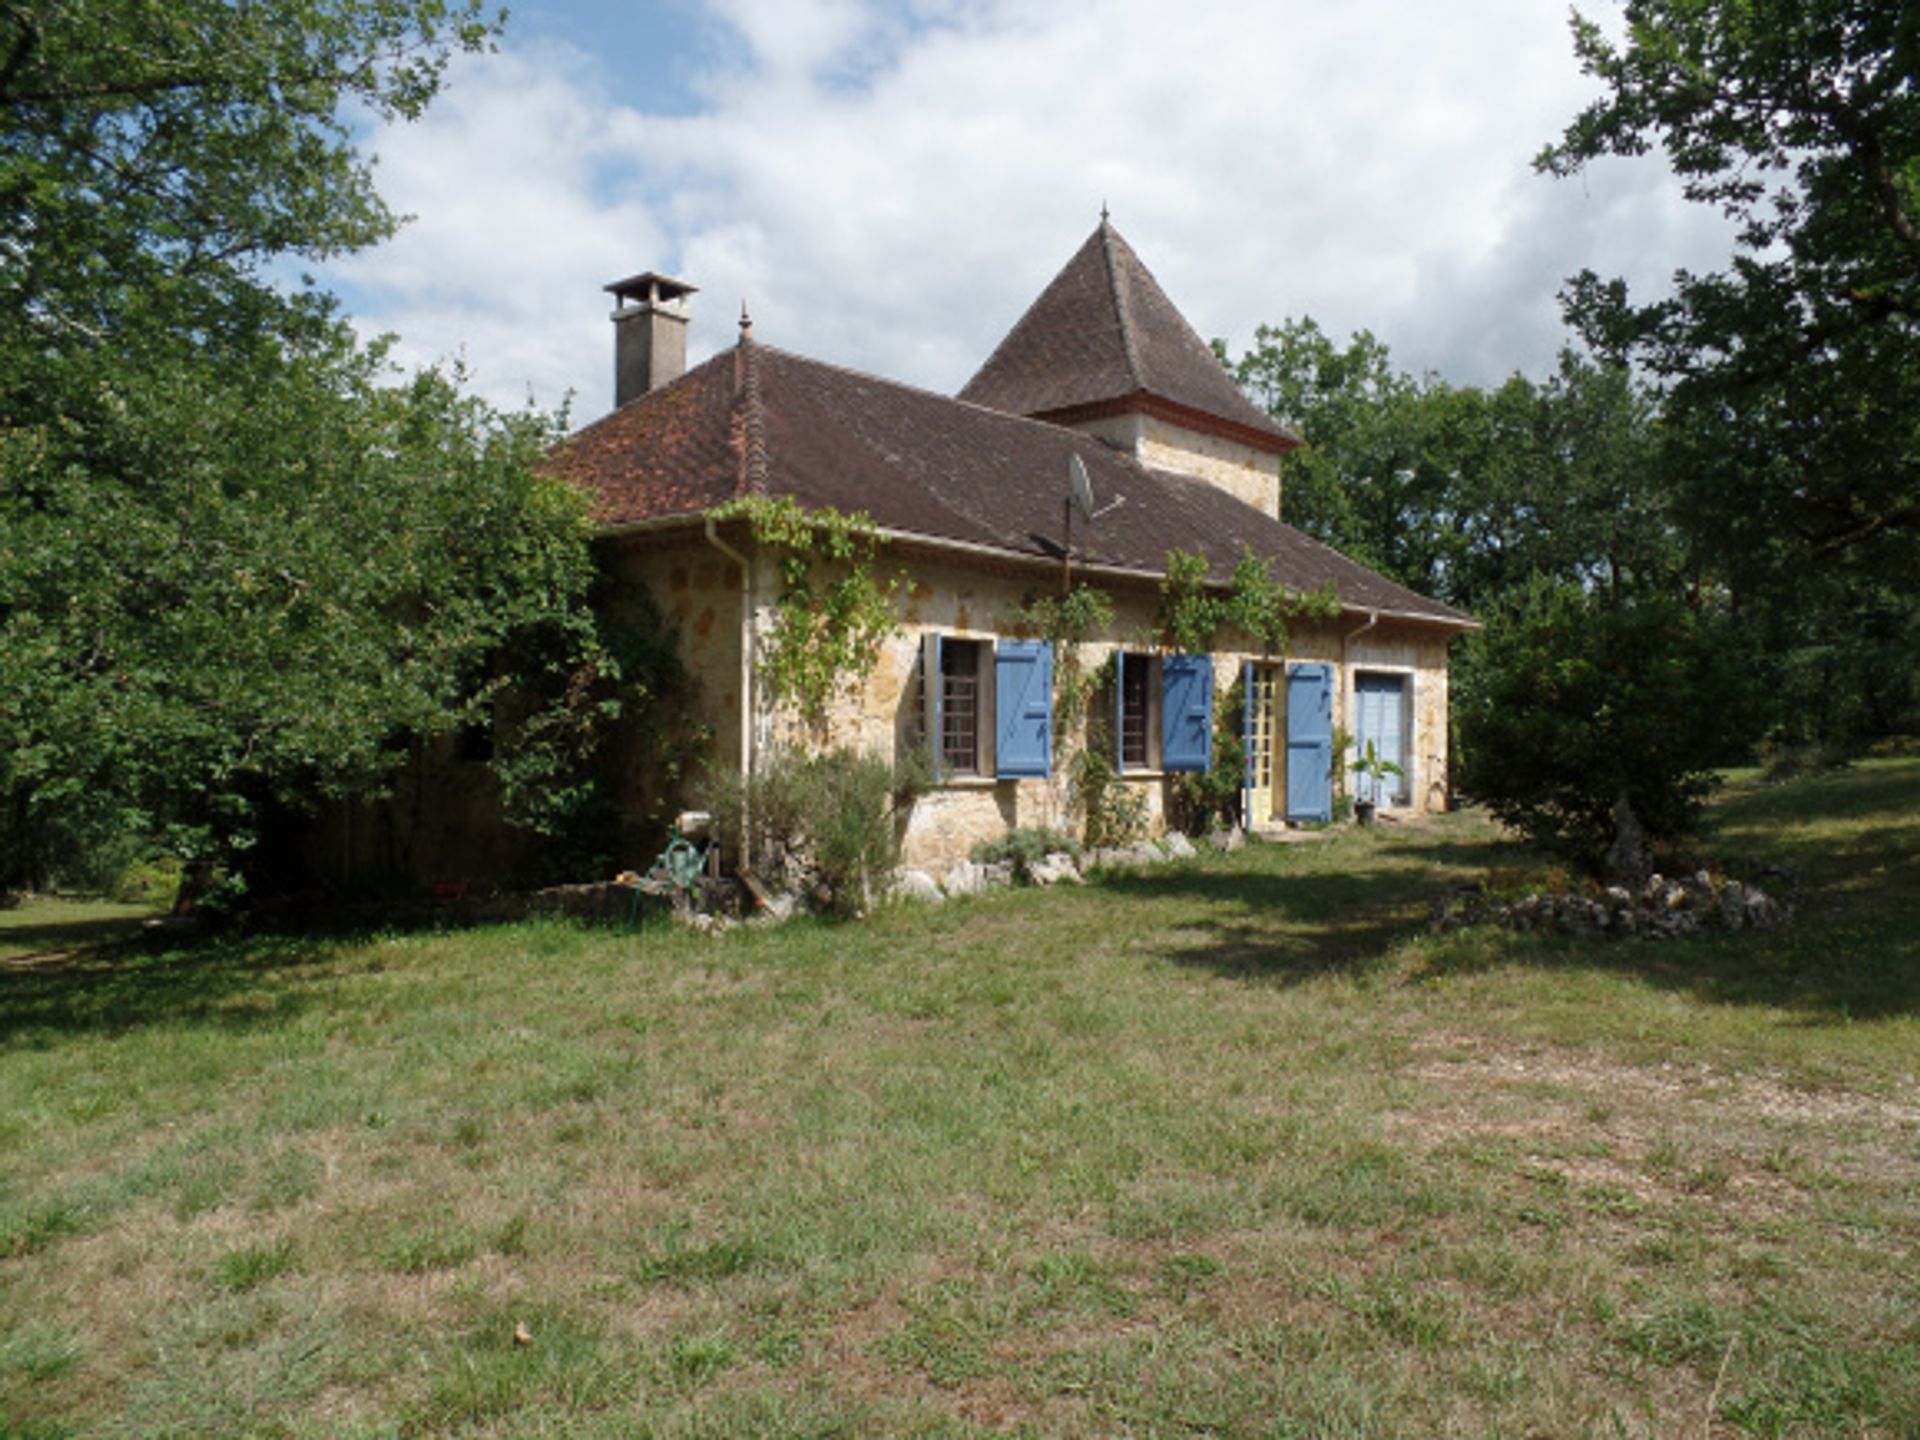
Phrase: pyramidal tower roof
[1103,339]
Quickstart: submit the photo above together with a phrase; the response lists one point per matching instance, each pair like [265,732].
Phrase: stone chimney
[649,333]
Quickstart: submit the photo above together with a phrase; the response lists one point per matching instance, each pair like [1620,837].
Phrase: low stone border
[1661,909]
[1055,868]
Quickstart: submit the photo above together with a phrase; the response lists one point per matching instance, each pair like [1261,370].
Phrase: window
[1381,719]
[959,707]
[987,709]
[1134,722]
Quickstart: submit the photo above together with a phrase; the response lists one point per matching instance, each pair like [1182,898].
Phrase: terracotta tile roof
[1104,335]
[757,419]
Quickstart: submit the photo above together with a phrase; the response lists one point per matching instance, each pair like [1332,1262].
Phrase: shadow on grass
[1852,953]
[1288,926]
[43,939]
[237,983]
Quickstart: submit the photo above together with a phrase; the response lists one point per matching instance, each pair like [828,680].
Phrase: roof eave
[1145,402]
[1027,560]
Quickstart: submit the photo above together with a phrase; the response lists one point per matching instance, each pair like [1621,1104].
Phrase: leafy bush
[1208,799]
[1565,703]
[1024,847]
[1112,812]
[815,821]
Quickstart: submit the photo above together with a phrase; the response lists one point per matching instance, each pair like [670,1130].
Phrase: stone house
[969,494]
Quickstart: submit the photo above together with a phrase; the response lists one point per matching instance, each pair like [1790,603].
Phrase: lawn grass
[1232,1147]
[48,926]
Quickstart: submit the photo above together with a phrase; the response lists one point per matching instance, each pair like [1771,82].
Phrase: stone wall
[1241,470]
[884,714]
[698,591]
[443,823]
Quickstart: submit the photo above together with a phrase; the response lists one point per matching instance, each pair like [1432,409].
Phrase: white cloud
[888,186]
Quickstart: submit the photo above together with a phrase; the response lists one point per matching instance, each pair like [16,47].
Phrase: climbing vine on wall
[835,606]
[1110,814]
[1193,612]
[1068,621]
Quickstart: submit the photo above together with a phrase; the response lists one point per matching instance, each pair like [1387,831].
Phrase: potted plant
[1341,810]
[1372,770]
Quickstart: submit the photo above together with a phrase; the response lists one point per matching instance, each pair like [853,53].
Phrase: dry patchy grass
[1233,1148]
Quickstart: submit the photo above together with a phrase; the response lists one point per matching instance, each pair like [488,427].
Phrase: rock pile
[1057,867]
[1658,909]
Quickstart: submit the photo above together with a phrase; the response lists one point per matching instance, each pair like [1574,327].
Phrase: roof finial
[746,322]
[1103,211]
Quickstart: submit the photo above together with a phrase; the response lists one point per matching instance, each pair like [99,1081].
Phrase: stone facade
[1243,471]
[883,712]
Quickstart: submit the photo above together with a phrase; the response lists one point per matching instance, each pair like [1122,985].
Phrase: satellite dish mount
[1080,500]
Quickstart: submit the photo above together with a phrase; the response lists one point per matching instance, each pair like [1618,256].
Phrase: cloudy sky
[888,183]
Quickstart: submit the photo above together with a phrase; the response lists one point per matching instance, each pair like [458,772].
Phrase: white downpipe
[746,669]
[1346,670]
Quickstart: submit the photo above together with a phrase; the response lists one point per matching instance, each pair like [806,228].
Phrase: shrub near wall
[815,823]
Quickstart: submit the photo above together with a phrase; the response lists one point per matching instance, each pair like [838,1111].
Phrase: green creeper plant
[835,607]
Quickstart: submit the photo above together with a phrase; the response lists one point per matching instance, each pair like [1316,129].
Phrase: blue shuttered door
[1310,742]
[1186,712]
[1023,708]
[1381,703]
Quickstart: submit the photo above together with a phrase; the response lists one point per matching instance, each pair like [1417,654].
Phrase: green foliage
[829,816]
[914,774]
[1112,812]
[1460,492]
[242,561]
[1373,766]
[1193,610]
[564,739]
[1211,798]
[1567,703]
[1068,621]
[834,609]
[1265,609]
[215,598]
[1024,847]
[1790,377]
[1802,123]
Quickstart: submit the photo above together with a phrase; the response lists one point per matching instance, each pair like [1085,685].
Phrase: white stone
[965,878]
[1054,868]
[1179,846]
[912,884]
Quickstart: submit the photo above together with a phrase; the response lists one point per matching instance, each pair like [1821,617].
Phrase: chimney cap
[650,287]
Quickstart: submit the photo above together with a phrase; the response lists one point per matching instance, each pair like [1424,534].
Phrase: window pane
[960,707]
[1133,712]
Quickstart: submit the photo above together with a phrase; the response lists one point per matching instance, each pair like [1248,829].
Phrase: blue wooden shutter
[1310,742]
[1120,711]
[1186,712]
[1023,708]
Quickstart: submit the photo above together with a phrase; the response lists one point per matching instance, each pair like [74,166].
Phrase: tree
[1792,376]
[240,565]
[1566,702]
[1467,493]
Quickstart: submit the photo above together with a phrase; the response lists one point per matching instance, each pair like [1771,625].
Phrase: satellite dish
[1080,492]
[1080,488]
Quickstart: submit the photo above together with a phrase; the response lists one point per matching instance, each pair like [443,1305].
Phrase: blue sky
[888,183]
